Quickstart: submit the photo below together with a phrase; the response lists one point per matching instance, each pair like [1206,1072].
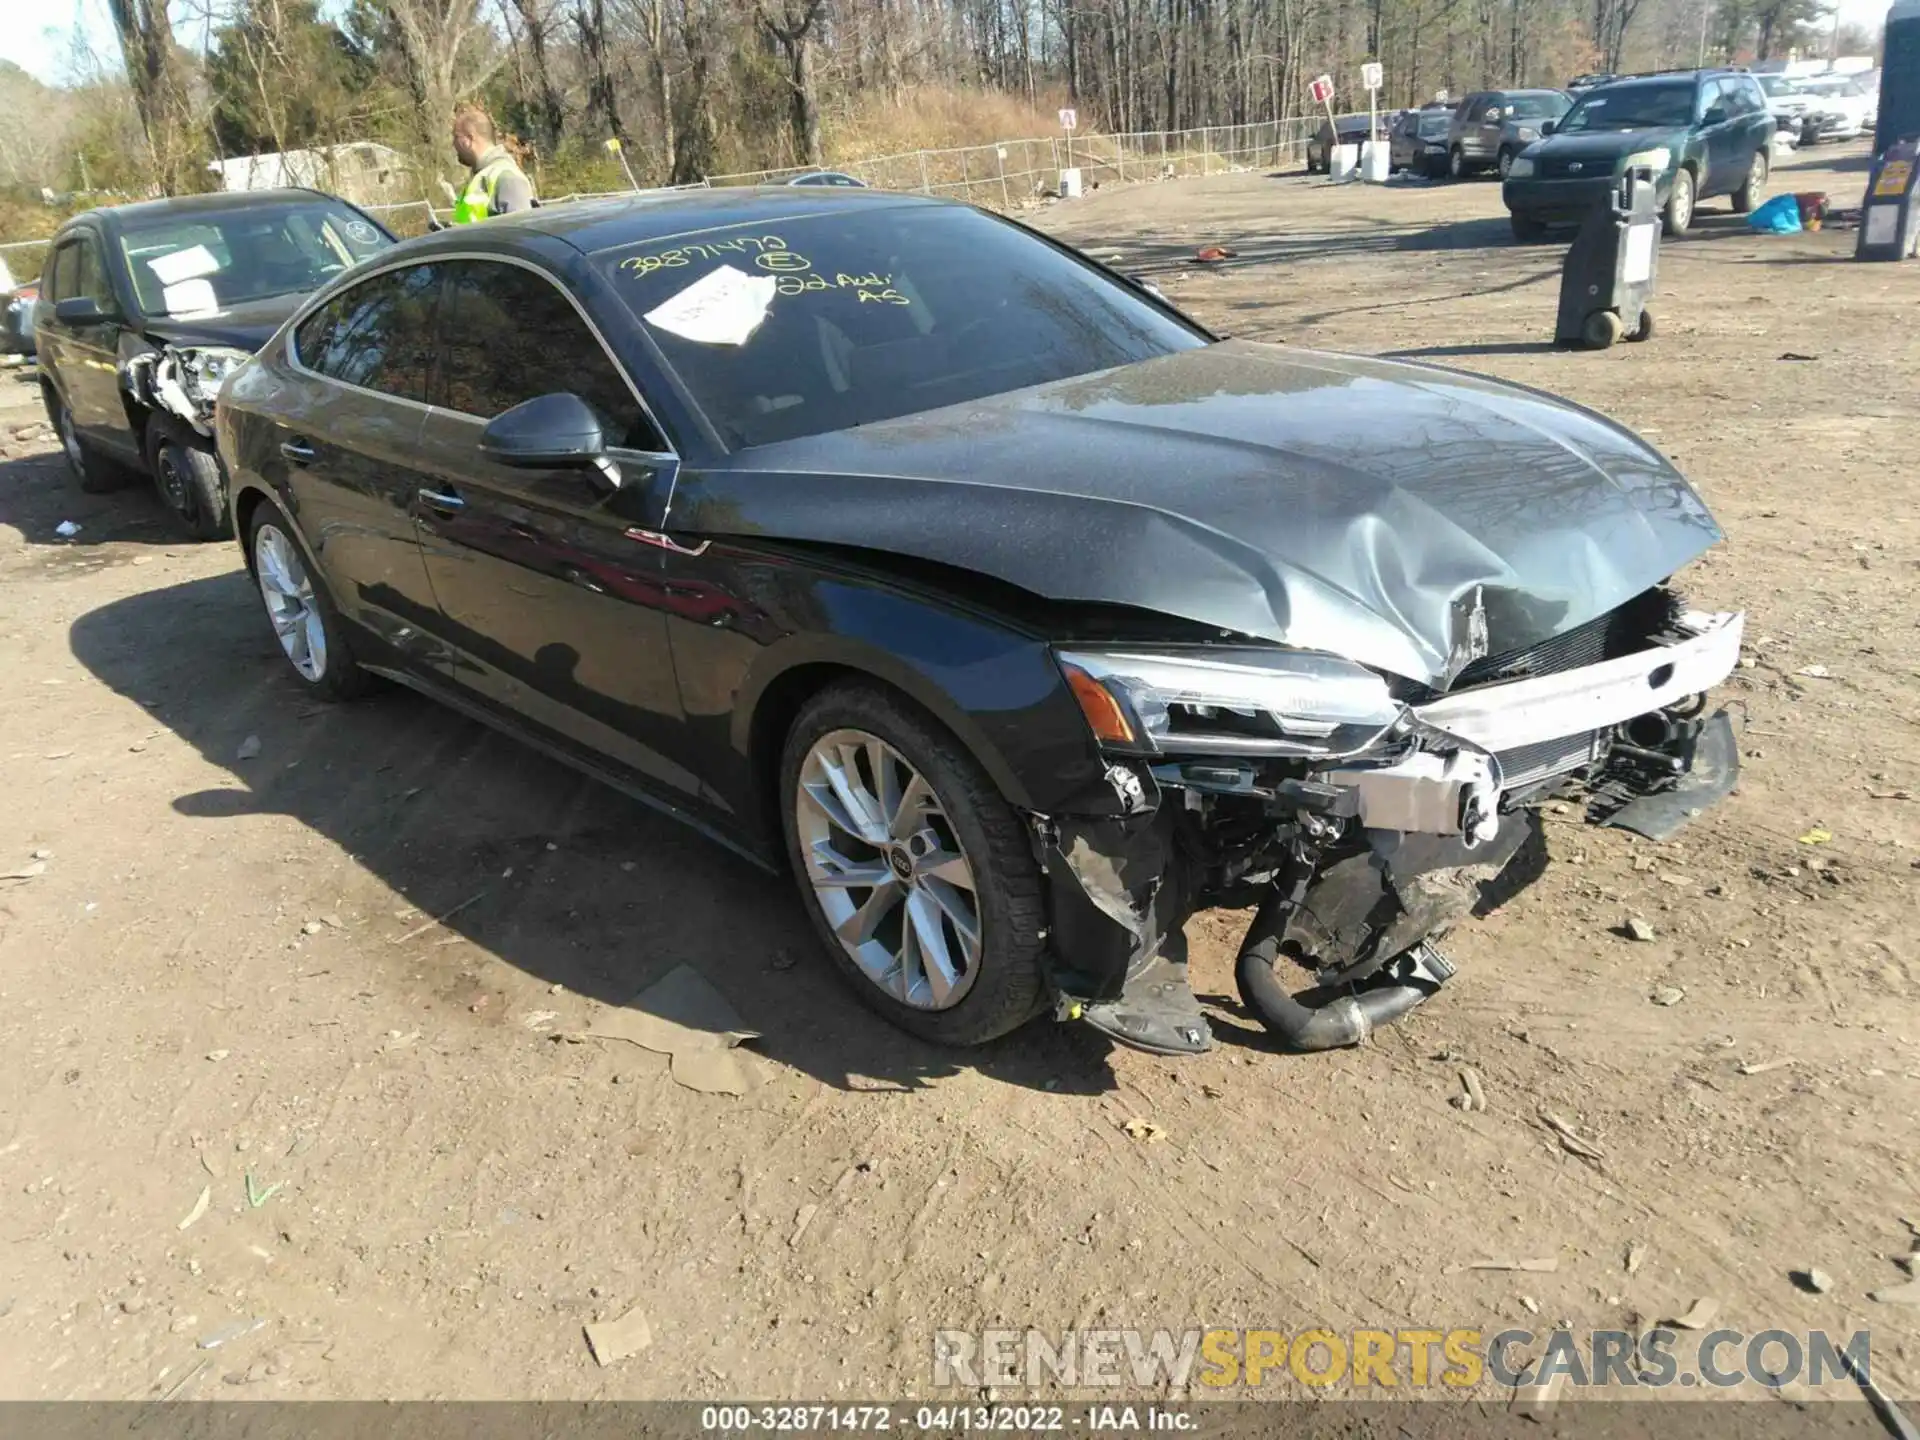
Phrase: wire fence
[1008,175]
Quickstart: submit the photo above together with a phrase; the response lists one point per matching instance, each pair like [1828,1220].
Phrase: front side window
[90,276]
[377,335]
[207,262]
[508,335]
[819,322]
[1632,107]
[62,272]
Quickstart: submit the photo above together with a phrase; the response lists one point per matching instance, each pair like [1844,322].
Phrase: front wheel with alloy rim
[301,612]
[917,874]
[1457,164]
[1506,163]
[1748,195]
[1678,215]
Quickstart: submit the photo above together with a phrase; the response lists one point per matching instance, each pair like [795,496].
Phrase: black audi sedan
[908,550]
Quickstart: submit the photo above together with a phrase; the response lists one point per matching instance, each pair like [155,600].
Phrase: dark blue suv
[1702,132]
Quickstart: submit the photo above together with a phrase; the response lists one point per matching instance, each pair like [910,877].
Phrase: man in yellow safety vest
[496,186]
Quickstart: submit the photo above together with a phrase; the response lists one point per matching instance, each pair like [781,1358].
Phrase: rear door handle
[298,451]
[441,499]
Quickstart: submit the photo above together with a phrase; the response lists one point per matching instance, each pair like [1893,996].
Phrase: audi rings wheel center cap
[901,863]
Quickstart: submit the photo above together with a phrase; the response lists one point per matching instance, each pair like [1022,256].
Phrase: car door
[1720,133]
[89,355]
[551,595]
[1755,120]
[1486,122]
[345,444]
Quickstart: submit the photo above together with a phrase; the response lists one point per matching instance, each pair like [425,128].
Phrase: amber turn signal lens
[1103,712]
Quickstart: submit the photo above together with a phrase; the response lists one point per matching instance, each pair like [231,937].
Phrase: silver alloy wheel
[1757,172]
[70,442]
[888,870]
[1506,163]
[290,602]
[1681,200]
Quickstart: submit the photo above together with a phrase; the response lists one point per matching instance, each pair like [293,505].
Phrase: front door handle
[299,452]
[441,499]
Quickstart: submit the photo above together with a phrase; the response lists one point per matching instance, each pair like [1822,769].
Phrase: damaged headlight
[203,369]
[1238,701]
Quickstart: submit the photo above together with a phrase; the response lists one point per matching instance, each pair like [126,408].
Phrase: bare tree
[159,87]
[447,52]
[794,27]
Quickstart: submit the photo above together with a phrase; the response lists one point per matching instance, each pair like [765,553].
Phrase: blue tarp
[1779,216]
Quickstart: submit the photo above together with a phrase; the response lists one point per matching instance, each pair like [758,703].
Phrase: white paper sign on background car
[722,307]
[190,297]
[188,264]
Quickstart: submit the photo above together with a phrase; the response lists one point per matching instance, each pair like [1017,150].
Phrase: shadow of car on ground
[604,895]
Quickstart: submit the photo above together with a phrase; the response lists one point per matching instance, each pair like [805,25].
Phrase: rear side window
[377,335]
[508,335]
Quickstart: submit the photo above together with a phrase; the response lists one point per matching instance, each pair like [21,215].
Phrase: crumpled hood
[245,327]
[1321,501]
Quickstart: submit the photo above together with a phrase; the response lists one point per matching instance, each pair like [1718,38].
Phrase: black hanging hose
[1341,1021]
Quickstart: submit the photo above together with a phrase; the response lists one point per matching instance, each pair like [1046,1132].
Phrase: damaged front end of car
[181,381]
[1362,816]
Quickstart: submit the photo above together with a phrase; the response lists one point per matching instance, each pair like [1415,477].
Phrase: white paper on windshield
[722,307]
[1883,224]
[188,264]
[1636,264]
[190,297]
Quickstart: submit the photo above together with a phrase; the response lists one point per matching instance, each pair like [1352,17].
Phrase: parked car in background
[829,177]
[1490,127]
[1342,130]
[146,308]
[689,492]
[1840,107]
[16,313]
[1787,102]
[1419,141]
[1702,133]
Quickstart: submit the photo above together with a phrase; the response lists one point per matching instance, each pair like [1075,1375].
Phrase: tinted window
[869,313]
[90,277]
[508,335]
[63,271]
[1536,107]
[377,334]
[185,264]
[1632,107]
[1434,127]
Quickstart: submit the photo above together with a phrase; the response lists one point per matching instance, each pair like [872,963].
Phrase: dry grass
[935,118]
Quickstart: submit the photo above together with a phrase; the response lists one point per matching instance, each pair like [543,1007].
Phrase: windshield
[1777,85]
[1835,87]
[825,321]
[1537,107]
[201,263]
[1632,107]
[1434,127]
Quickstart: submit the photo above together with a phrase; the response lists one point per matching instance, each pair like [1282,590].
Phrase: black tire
[1676,217]
[1759,170]
[190,482]
[94,475]
[1456,164]
[340,677]
[1644,330]
[1009,988]
[1526,229]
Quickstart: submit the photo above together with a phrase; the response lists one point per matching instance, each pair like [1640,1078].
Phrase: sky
[45,51]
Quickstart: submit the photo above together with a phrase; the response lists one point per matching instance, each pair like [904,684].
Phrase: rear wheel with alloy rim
[1678,215]
[1457,164]
[302,614]
[1758,169]
[918,875]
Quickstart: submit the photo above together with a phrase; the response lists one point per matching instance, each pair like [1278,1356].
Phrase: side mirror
[1547,127]
[548,432]
[82,310]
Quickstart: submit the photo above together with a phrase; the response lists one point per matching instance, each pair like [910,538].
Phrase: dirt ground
[225,974]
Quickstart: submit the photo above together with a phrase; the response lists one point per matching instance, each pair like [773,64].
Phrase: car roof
[1530,90]
[595,225]
[216,202]
[1667,77]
